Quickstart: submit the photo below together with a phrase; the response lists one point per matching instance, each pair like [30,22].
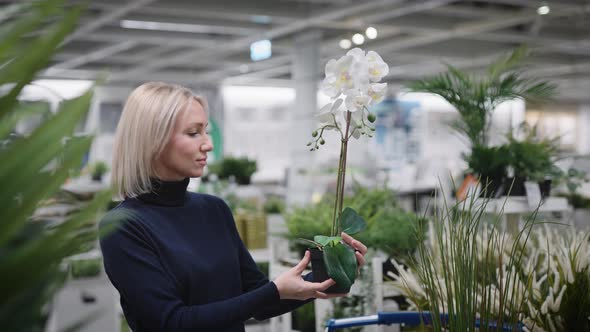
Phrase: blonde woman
[177,260]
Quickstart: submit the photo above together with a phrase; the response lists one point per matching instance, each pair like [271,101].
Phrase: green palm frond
[512,61]
[34,168]
[475,98]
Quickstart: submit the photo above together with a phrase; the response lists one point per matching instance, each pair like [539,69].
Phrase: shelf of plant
[513,208]
[519,205]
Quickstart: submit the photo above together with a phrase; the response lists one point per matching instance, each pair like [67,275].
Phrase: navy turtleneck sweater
[179,264]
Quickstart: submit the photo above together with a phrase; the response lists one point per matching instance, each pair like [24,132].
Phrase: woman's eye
[193,134]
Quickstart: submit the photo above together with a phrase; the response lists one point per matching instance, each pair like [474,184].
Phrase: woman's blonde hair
[145,126]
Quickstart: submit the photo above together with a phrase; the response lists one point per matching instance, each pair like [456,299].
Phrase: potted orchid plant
[353,81]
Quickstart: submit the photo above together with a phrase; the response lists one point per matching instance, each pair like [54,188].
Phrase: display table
[84,188]
[513,208]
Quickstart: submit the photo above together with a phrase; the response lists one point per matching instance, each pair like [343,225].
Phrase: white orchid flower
[377,92]
[338,76]
[357,53]
[377,67]
[356,100]
[330,115]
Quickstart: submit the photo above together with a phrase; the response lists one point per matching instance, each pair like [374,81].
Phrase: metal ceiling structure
[415,37]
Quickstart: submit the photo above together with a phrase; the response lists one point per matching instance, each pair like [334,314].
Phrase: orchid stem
[336,215]
[341,177]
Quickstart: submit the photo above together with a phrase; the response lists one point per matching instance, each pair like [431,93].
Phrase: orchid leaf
[351,222]
[325,240]
[341,264]
[314,243]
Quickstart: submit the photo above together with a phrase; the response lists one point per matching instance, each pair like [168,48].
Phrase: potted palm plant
[476,97]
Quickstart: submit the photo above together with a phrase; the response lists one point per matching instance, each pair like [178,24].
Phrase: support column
[305,77]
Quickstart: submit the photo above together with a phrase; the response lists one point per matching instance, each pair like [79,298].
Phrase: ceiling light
[260,50]
[371,33]
[165,26]
[261,19]
[345,44]
[358,39]
[543,10]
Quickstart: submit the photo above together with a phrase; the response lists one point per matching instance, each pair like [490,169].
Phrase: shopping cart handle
[400,317]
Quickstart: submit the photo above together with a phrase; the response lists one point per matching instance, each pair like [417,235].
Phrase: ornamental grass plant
[469,270]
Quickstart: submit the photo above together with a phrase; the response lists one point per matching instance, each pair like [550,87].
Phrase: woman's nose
[207,145]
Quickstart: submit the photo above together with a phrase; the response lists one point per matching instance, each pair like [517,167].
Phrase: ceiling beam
[106,18]
[218,12]
[328,49]
[241,43]
[95,55]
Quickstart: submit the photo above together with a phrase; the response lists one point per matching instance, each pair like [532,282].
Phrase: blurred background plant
[98,169]
[230,168]
[35,166]
[476,97]
[274,205]
[389,228]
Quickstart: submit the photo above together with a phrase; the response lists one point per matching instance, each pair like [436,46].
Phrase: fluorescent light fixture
[358,39]
[345,44]
[261,19]
[543,10]
[260,50]
[371,33]
[165,26]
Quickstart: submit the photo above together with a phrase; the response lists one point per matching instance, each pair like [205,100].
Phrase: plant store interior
[471,169]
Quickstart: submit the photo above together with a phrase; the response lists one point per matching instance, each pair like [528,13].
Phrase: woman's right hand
[292,286]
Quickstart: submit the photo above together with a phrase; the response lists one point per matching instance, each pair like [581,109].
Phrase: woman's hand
[360,250]
[292,286]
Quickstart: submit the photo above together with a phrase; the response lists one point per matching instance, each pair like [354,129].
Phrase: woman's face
[185,154]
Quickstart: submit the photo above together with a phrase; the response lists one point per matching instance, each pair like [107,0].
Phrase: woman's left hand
[359,248]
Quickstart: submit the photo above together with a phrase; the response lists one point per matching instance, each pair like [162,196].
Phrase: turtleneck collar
[167,193]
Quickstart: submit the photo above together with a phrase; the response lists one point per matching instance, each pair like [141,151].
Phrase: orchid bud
[309,144]
[371,117]
[314,133]
[322,142]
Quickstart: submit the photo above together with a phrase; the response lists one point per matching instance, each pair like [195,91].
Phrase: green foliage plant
[475,97]
[35,166]
[98,169]
[240,168]
[86,268]
[274,205]
[532,158]
[389,228]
